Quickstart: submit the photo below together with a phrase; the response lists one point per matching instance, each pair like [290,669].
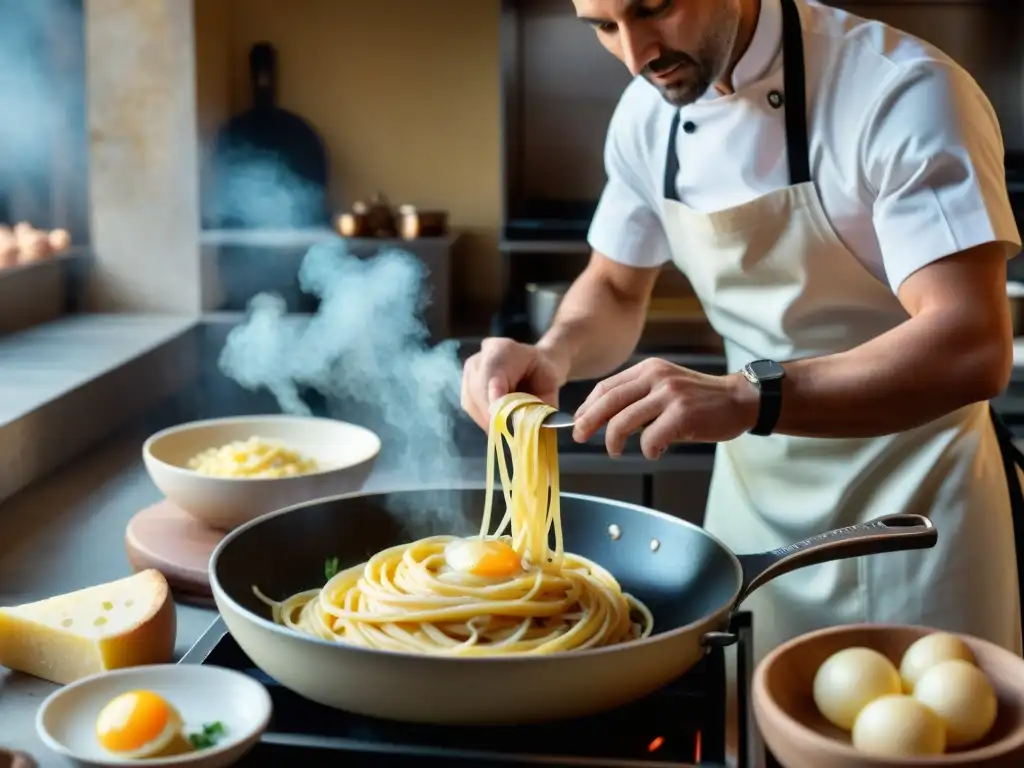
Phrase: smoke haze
[253,189]
[367,351]
[41,97]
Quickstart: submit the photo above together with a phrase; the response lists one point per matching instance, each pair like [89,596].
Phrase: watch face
[766,370]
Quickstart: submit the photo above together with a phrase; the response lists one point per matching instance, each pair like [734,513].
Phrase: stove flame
[655,745]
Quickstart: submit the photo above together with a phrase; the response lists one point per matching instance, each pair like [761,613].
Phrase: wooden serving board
[10,758]
[176,544]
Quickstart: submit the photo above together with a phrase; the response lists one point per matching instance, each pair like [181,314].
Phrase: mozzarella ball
[960,694]
[848,680]
[929,651]
[899,726]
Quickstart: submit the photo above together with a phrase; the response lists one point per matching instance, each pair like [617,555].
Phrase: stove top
[682,725]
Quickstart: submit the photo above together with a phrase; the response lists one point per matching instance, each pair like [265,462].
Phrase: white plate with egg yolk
[236,705]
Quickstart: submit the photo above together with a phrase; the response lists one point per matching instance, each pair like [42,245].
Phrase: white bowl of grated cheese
[226,472]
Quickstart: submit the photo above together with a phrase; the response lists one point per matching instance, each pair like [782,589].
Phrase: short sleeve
[933,157]
[627,226]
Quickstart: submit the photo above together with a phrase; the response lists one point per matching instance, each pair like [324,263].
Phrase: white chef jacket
[905,148]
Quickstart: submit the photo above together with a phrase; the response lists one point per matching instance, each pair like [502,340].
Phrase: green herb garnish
[208,737]
[330,568]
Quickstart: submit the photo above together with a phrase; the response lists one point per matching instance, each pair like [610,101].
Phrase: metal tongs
[558,420]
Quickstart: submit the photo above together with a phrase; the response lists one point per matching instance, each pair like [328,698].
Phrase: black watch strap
[771,407]
[767,376]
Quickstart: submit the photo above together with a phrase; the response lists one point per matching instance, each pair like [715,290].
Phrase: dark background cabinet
[560,87]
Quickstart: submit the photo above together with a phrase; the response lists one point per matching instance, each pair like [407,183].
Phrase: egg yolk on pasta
[137,724]
[490,558]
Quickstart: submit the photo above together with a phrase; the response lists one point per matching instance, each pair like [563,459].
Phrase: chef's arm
[600,318]
[955,349]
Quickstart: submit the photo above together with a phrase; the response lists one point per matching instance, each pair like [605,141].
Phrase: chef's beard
[707,65]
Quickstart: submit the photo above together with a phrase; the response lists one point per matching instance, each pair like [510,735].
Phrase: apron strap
[672,160]
[797,145]
[1012,459]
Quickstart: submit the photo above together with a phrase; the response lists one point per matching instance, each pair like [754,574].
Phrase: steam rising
[366,350]
[257,190]
[41,84]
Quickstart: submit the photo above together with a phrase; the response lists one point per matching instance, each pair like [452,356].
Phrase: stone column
[144,156]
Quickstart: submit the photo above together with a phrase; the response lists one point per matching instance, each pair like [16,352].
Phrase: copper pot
[352,225]
[414,223]
[380,218]
[373,219]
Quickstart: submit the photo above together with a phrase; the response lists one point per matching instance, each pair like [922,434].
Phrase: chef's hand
[670,404]
[502,366]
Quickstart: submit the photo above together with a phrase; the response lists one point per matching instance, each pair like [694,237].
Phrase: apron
[776,282]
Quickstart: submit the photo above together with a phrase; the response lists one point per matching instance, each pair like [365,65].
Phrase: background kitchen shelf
[238,264]
[306,238]
[31,294]
[544,247]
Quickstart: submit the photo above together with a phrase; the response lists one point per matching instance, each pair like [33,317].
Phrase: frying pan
[689,580]
[270,165]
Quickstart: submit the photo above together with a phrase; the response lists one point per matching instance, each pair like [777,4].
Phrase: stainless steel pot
[1015,294]
[672,321]
[542,301]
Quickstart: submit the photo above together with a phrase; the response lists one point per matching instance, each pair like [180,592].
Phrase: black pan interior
[682,574]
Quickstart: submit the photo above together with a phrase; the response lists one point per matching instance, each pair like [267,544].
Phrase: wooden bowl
[800,737]
[10,758]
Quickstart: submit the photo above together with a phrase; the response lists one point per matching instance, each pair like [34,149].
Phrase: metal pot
[688,578]
[672,321]
[373,219]
[414,223]
[542,300]
[1015,294]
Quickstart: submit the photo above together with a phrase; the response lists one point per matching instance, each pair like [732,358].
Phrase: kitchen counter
[66,532]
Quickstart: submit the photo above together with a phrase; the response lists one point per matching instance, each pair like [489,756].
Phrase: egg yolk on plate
[138,724]
[490,558]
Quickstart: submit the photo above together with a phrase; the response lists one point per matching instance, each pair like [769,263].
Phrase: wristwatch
[767,376]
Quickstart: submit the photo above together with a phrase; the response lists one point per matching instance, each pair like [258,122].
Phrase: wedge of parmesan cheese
[124,623]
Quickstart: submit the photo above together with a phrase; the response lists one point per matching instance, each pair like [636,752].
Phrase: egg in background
[898,725]
[851,679]
[487,558]
[962,695]
[140,724]
[928,651]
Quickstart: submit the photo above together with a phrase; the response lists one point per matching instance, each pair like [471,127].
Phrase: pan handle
[893,533]
[263,73]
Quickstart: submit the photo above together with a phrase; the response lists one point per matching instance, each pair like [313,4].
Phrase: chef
[834,191]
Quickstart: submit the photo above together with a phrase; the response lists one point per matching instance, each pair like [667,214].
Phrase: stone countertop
[67,532]
[64,533]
